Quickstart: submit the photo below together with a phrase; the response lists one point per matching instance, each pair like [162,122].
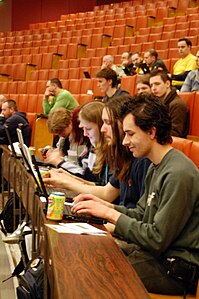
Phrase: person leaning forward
[55,96]
[160,235]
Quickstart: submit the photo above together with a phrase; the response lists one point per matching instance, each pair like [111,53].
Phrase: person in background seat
[143,84]
[55,96]
[12,118]
[160,83]
[108,83]
[191,82]
[127,65]
[153,62]
[82,163]
[185,64]
[140,66]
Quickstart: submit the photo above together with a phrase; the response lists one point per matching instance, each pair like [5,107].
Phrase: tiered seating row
[29,95]
[75,86]
[178,5]
[32,103]
[157,9]
[32,48]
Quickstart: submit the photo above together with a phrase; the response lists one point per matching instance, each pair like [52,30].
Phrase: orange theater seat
[190,149]
[12,87]
[4,87]
[73,63]
[63,73]
[41,86]
[189,99]
[86,84]
[84,62]
[23,102]
[73,73]
[194,153]
[195,116]
[32,120]
[182,144]
[74,86]
[53,73]
[100,52]
[32,103]
[21,87]
[31,87]
[94,70]
[43,74]
[85,98]
[42,137]
[163,54]
[128,83]
[39,107]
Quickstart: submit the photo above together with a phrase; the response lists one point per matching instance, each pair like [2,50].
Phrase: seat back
[42,137]
[189,99]
[195,117]
[31,117]
[188,147]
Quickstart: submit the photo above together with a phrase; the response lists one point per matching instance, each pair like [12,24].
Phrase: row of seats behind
[33,102]
[75,86]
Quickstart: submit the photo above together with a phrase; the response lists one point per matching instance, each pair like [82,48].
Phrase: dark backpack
[7,217]
[31,282]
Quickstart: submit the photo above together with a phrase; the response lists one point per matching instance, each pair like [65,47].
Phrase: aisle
[7,289]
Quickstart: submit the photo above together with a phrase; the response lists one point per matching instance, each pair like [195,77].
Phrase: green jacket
[165,221]
[64,99]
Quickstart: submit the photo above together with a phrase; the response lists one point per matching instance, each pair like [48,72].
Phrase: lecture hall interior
[44,39]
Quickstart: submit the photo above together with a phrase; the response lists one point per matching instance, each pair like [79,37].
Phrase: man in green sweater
[160,235]
[55,96]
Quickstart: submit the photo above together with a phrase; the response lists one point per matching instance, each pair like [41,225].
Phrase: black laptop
[32,165]
[13,151]
[87,75]
[67,214]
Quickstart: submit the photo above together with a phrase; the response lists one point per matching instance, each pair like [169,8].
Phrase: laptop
[31,162]
[87,75]
[11,146]
[25,151]
[67,214]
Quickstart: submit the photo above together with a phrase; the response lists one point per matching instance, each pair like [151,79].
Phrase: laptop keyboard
[68,215]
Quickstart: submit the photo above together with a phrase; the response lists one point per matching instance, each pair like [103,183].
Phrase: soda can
[44,171]
[32,150]
[55,206]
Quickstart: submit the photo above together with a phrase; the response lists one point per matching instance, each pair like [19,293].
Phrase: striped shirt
[191,82]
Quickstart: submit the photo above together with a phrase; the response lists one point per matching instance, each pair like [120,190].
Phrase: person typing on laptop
[160,235]
[89,125]
[126,185]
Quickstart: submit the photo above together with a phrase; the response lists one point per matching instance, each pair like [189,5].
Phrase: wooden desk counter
[85,266]
[77,266]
